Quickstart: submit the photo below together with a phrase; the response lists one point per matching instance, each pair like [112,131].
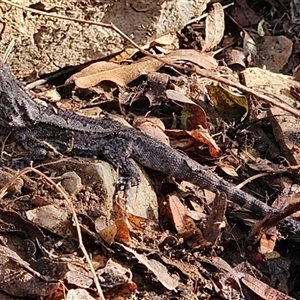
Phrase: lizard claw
[125,183]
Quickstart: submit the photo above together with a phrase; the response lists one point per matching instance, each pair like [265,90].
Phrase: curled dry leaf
[185,225]
[153,127]
[192,234]
[120,74]
[214,27]
[227,168]
[124,74]
[193,116]
[203,136]
[192,113]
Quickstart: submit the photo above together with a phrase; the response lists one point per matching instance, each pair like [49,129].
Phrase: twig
[55,16]
[75,219]
[245,182]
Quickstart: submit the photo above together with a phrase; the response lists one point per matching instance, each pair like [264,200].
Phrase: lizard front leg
[39,141]
[118,152]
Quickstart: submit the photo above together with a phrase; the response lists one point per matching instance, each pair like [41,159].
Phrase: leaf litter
[180,241]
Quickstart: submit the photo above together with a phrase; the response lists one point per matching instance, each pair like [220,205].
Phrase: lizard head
[10,105]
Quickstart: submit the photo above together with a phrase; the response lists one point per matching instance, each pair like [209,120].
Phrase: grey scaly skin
[37,127]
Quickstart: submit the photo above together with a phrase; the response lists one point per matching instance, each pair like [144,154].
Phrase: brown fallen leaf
[263,290]
[236,59]
[203,136]
[153,127]
[273,52]
[122,233]
[193,116]
[120,74]
[80,279]
[177,211]
[185,225]
[108,234]
[28,283]
[269,222]
[157,268]
[216,219]
[227,168]
[124,74]
[267,242]
[82,294]
[157,84]
[214,27]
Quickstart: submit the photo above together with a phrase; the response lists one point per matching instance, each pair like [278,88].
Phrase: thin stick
[55,16]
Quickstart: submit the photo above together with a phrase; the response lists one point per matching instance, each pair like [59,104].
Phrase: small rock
[15,187]
[71,182]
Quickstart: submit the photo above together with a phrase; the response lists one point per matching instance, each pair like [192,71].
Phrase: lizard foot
[125,183]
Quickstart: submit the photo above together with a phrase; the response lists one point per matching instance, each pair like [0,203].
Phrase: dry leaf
[124,74]
[244,15]
[193,116]
[214,27]
[122,234]
[108,234]
[52,218]
[178,212]
[203,136]
[231,105]
[263,290]
[216,219]
[267,243]
[157,84]
[120,74]
[158,269]
[226,168]
[153,127]
[273,52]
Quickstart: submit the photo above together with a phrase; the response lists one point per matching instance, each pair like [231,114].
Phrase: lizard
[37,127]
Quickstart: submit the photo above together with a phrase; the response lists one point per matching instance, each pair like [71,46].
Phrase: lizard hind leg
[118,152]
